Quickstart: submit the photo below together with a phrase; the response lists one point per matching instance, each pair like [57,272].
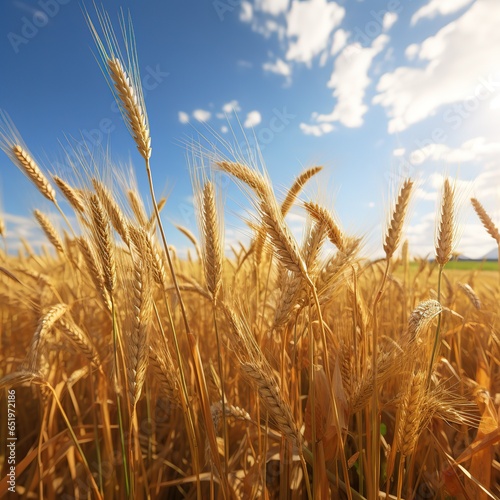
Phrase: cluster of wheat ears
[284,370]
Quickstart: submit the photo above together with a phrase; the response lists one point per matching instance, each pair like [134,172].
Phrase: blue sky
[372,90]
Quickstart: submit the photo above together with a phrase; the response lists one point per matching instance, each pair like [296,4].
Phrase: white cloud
[350,80]
[279,67]
[246,12]
[476,149]
[201,115]
[339,41]
[389,20]
[438,8]
[309,27]
[272,7]
[183,117]
[412,51]
[457,66]
[231,107]
[317,130]
[224,129]
[399,152]
[253,119]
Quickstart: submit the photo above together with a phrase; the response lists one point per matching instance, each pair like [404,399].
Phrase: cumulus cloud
[453,65]
[231,107]
[439,8]
[472,150]
[183,117]
[339,41]
[246,12]
[317,130]
[389,20]
[279,67]
[273,7]
[253,119]
[309,27]
[305,27]
[201,115]
[350,80]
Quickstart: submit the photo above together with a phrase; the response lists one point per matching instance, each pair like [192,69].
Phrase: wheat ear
[296,187]
[270,395]
[247,175]
[28,165]
[137,207]
[323,216]
[94,270]
[165,373]
[410,417]
[395,229]
[104,243]
[72,195]
[113,210]
[212,250]
[136,117]
[486,220]
[49,231]
[421,316]
[137,346]
[77,336]
[45,324]
[471,295]
[444,244]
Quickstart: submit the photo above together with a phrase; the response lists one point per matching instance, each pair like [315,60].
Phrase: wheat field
[283,369]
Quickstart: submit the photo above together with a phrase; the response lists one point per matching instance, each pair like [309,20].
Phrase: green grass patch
[468,265]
